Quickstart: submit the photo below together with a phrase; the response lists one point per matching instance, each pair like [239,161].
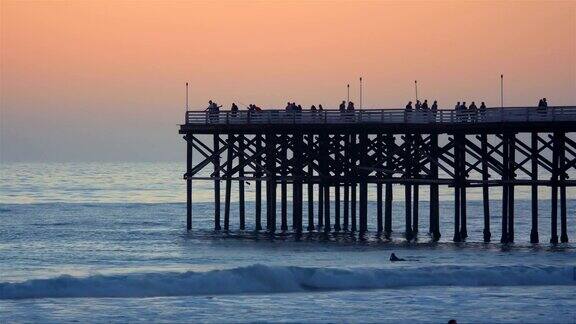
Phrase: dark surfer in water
[394,258]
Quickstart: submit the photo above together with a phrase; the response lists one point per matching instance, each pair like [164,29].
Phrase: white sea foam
[278,279]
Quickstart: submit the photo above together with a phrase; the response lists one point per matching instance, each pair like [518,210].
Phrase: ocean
[106,242]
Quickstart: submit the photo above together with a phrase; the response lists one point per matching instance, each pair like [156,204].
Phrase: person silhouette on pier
[234,110]
[418,105]
[313,108]
[408,106]
[320,107]
[473,111]
[424,105]
[350,106]
[434,110]
[213,110]
[342,106]
[407,111]
[482,110]
[542,107]
[394,258]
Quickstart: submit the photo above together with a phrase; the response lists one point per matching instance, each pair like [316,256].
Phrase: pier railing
[384,116]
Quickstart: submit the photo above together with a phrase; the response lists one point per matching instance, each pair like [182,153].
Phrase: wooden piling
[505,186]
[241,195]
[562,171]
[324,216]
[297,183]
[554,191]
[337,226]
[463,213]
[188,182]
[408,186]
[216,158]
[310,183]
[347,176]
[229,159]
[457,186]
[379,187]
[485,188]
[511,177]
[320,204]
[389,194]
[354,174]
[363,183]
[258,174]
[534,177]
[326,208]
[434,190]
[284,184]
[271,182]
[346,207]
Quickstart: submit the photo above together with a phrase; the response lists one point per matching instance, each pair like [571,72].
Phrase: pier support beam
[337,207]
[284,184]
[463,175]
[216,158]
[554,190]
[271,182]
[457,185]
[562,170]
[505,186]
[310,183]
[241,196]
[363,183]
[346,184]
[434,190]
[408,186]
[188,182]
[379,186]
[320,203]
[229,158]
[258,174]
[485,188]
[297,182]
[353,163]
[389,193]
[327,208]
[534,177]
[323,143]
[511,177]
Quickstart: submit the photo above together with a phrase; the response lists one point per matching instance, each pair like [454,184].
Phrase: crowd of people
[464,112]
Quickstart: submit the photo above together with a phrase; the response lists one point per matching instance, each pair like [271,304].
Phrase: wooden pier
[318,151]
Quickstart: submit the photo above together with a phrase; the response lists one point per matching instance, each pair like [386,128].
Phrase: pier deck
[505,147]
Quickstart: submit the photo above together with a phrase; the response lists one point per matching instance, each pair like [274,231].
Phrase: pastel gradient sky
[104,80]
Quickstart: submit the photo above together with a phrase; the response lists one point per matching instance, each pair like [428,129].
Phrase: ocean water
[106,242]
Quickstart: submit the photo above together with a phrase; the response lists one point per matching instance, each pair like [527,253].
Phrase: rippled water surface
[106,242]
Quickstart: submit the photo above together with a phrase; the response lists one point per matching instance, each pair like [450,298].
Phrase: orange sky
[81,79]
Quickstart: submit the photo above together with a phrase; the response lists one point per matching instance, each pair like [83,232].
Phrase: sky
[104,80]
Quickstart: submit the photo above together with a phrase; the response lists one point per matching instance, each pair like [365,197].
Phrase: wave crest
[281,279]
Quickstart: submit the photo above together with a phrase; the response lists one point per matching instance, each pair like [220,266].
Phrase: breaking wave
[282,279]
